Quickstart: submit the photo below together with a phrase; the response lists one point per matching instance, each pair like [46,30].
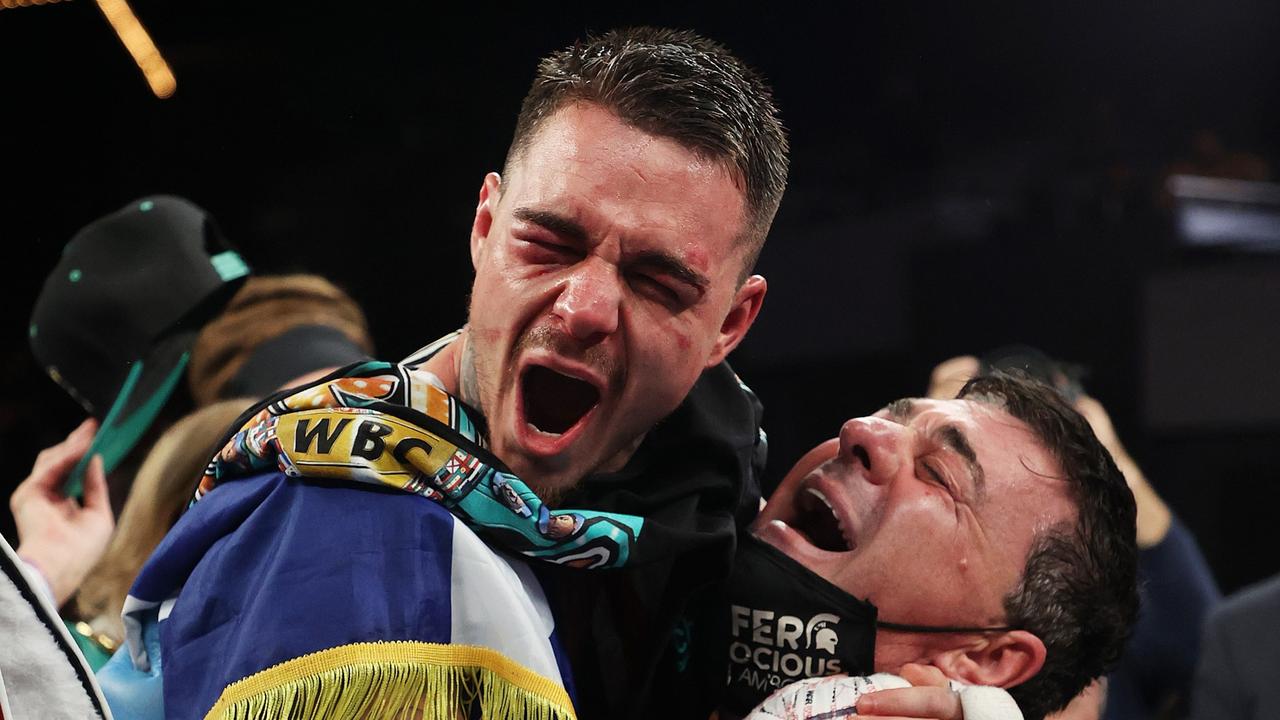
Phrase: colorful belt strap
[388,425]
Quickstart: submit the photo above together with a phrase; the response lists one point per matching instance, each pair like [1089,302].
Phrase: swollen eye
[655,289]
[933,475]
[542,251]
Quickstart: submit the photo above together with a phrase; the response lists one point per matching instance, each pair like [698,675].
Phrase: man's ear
[743,311]
[490,190]
[1004,660]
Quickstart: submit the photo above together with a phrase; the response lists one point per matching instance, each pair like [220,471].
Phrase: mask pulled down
[787,624]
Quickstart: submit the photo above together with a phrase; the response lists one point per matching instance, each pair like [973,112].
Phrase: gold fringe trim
[412,680]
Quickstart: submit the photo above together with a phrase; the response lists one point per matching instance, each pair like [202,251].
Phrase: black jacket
[645,641]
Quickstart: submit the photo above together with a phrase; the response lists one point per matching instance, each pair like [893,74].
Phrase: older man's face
[927,509]
[607,269]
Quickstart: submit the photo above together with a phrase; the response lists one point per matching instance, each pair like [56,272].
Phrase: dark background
[963,176]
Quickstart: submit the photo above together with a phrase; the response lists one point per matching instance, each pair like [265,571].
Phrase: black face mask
[786,623]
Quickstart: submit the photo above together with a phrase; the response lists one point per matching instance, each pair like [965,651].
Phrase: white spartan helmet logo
[819,633]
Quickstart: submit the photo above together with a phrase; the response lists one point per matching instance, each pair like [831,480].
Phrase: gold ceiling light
[135,38]
[12,4]
[139,44]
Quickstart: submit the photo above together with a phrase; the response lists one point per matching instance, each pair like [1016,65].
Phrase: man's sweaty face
[927,509]
[606,281]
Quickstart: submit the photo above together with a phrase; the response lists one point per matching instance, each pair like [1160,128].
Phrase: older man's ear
[1002,660]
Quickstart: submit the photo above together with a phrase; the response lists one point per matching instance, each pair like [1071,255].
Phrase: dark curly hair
[1078,591]
[678,85]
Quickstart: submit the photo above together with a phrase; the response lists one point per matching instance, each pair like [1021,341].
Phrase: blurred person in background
[84,561]
[141,300]
[276,332]
[1240,657]
[161,491]
[114,325]
[117,317]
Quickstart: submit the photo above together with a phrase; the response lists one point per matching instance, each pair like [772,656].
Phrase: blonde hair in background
[161,490]
[262,309]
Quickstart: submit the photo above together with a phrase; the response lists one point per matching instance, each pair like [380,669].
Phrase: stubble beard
[469,385]
[474,385]
[472,393]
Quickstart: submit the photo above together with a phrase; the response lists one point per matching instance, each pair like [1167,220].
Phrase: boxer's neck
[456,370]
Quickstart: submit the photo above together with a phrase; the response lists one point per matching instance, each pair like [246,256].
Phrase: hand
[1154,516]
[56,533]
[950,375]
[929,697]
[1100,421]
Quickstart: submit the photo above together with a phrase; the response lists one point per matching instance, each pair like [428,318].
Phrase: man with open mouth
[613,260]
[989,538]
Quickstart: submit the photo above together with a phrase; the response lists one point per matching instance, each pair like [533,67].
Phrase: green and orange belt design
[385,424]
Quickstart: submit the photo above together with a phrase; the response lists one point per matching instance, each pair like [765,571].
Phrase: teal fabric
[131,693]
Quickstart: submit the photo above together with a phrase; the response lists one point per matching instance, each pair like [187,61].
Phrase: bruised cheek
[696,257]
[652,325]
